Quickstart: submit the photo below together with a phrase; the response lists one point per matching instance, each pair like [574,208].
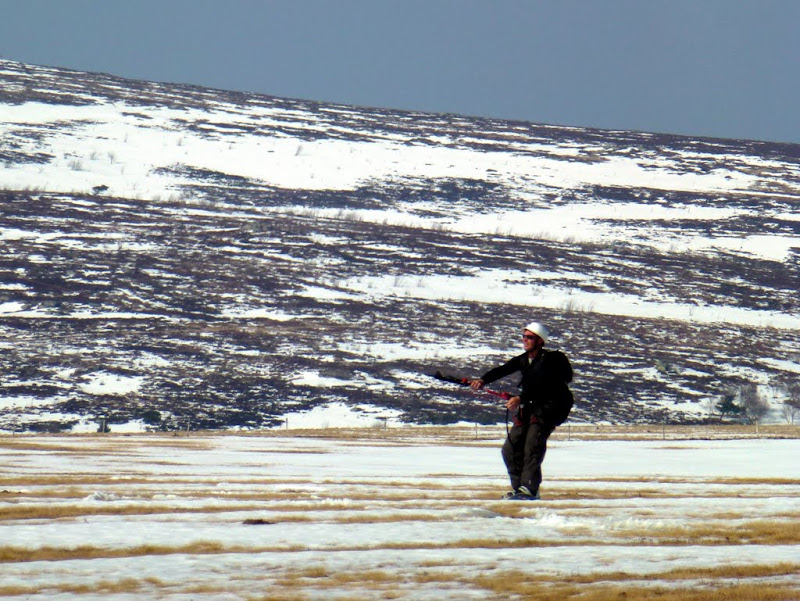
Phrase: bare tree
[710,404]
[789,412]
[727,405]
[755,405]
[793,392]
[791,406]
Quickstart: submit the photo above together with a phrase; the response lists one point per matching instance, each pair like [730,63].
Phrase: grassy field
[702,514]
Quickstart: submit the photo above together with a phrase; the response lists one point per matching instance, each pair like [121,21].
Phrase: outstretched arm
[508,368]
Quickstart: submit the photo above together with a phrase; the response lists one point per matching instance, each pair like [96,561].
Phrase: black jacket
[544,391]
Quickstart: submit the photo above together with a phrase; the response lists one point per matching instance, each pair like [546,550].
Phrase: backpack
[559,404]
[558,411]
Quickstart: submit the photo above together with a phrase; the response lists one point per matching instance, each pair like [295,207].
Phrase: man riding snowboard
[543,404]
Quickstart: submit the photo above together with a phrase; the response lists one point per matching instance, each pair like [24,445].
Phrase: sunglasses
[529,337]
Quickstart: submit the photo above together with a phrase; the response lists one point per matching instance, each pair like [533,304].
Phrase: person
[539,408]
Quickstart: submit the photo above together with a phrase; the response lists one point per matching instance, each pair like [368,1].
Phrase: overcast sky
[726,68]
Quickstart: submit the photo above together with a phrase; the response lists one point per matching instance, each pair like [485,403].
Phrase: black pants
[523,453]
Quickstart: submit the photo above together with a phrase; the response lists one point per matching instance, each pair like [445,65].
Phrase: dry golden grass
[145,587]
[108,443]
[755,532]
[381,582]
[22,554]
[9,480]
[755,481]
[760,533]
[693,584]
[49,512]
[661,480]
[18,590]
[403,435]
[286,596]
[732,571]
[391,518]
[673,432]
[700,492]
[104,587]
[632,592]
[484,435]
[55,512]
[25,445]
[696,584]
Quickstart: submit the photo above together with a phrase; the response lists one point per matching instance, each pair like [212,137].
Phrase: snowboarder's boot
[523,494]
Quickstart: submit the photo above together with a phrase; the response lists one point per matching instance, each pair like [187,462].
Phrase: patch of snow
[483,287]
[11,307]
[339,415]
[257,313]
[106,383]
[781,364]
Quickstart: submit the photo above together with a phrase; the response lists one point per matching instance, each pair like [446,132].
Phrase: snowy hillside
[175,257]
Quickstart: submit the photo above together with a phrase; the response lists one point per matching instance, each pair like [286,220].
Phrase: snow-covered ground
[412,514]
[111,144]
[141,153]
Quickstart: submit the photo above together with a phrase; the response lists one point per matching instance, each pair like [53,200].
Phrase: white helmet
[539,330]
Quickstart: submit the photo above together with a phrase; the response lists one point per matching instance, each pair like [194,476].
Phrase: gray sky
[726,68]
